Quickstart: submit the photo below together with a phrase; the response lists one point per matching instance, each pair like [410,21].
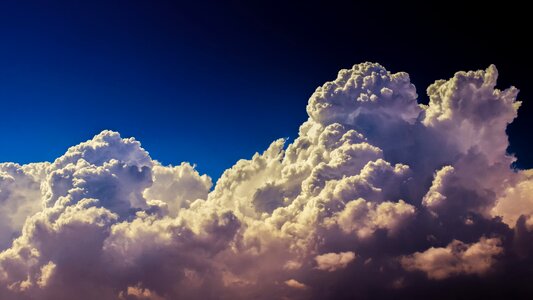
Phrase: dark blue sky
[214,81]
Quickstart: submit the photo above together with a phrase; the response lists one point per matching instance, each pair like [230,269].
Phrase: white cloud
[20,197]
[517,201]
[177,186]
[334,261]
[366,89]
[47,271]
[371,172]
[456,258]
[364,218]
[295,284]
[472,113]
[434,197]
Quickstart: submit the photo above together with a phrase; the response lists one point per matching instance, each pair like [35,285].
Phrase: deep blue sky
[215,81]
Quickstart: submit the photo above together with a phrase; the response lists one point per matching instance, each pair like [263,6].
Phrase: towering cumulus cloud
[377,197]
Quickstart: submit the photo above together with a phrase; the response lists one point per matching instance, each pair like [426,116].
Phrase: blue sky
[208,83]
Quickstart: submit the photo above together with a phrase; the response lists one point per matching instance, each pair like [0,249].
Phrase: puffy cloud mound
[517,201]
[334,261]
[20,197]
[456,258]
[424,194]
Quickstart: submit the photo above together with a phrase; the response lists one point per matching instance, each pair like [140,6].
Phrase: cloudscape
[377,196]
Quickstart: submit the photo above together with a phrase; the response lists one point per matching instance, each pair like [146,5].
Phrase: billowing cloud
[177,187]
[517,201]
[364,218]
[377,196]
[334,261]
[456,258]
[20,197]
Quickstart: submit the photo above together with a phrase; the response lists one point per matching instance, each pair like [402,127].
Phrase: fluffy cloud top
[424,195]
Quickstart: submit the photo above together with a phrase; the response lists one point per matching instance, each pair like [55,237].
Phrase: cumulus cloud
[364,218]
[517,201]
[334,261]
[20,197]
[295,284]
[412,189]
[456,258]
[177,186]
[435,197]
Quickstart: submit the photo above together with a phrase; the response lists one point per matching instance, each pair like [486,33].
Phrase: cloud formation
[456,258]
[334,261]
[377,196]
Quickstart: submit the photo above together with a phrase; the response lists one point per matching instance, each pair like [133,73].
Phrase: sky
[211,82]
[158,150]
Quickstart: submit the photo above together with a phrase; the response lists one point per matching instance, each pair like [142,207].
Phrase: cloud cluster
[456,258]
[377,196]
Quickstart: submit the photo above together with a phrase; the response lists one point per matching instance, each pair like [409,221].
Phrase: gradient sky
[210,83]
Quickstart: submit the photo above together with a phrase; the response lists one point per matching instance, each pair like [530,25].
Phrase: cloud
[137,292]
[47,271]
[456,258]
[407,187]
[472,113]
[364,218]
[334,261]
[295,284]
[20,197]
[177,186]
[434,197]
[517,201]
[366,89]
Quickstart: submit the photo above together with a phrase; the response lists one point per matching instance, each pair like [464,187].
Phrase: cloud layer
[378,196]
